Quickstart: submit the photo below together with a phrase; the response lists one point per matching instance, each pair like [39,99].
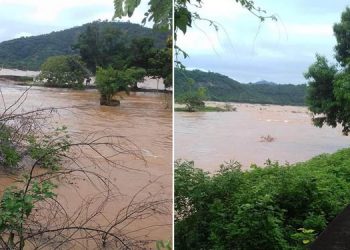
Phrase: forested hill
[30,52]
[223,88]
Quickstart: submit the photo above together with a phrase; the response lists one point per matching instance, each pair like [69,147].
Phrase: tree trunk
[108,101]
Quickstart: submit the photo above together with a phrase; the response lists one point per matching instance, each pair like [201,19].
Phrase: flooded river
[212,138]
[143,120]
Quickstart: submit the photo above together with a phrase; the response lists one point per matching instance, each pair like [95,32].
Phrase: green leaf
[183,18]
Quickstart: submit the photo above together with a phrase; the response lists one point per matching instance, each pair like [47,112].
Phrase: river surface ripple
[211,138]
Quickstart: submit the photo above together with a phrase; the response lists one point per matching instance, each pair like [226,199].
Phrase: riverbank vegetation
[270,207]
[194,101]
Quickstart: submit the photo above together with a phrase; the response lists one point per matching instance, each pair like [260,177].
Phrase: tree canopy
[63,71]
[110,46]
[342,35]
[102,46]
[328,95]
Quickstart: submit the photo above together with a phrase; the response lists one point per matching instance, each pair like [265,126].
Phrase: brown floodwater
[212,138]
[142,119]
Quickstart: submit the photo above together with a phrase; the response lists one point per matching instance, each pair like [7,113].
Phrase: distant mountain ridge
[28,53]
[265,82]
[222,88]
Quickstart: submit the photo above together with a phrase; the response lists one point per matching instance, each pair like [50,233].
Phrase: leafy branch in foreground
[185,19]
[159,12]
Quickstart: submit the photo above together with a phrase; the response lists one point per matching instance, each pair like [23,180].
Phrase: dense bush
[274,207]
[63,71]
[110,81]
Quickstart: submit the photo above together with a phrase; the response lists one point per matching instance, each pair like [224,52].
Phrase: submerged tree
[194,98]
[111,81]
[329,85]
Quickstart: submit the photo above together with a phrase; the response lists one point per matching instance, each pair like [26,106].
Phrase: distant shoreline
[212,105]
[28,81]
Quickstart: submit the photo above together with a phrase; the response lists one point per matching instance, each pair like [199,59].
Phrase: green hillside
[30,52]
[223,88]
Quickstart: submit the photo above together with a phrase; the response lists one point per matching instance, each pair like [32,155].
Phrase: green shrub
[264,208]
[110,81]
[64,71]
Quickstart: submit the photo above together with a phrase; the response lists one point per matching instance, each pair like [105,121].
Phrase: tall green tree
[88,46]
[329,86]
[140,51]
[160,66]
[342,34]
[320,97]
[102,46]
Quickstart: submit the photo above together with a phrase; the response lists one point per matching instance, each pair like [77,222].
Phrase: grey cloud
[83,14]
[12,28]
[250,70]
[251,54]
[13,20]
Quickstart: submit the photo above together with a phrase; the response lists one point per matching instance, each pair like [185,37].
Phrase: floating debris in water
[267,138]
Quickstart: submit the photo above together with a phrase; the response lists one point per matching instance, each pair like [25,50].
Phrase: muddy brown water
[142,119]
[211,138]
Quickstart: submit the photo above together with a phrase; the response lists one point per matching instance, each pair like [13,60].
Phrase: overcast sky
[248,51]
[34,17]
